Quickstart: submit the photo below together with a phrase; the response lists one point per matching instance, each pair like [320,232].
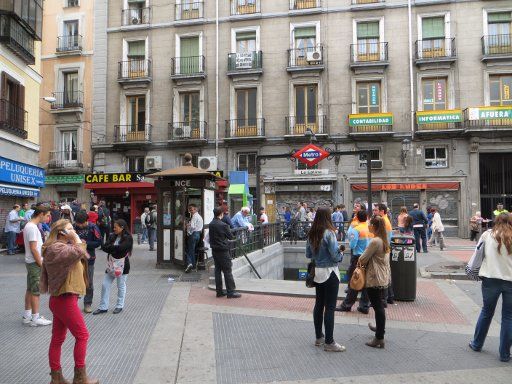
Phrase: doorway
[495,182]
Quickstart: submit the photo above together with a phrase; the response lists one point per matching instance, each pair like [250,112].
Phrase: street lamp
[310,135]
[49,99]
[406,147]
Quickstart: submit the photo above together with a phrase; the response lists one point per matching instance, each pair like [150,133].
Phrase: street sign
[311,154]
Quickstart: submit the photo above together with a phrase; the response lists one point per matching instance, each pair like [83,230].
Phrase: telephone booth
[176,189]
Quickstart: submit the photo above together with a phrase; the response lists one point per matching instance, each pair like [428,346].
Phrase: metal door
[495,182]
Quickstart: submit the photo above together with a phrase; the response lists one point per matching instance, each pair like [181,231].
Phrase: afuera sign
[311,154]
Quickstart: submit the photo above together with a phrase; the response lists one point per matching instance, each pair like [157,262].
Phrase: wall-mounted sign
[490,113]
[243,60]
[447,186]
[310,154]
[217,173]
[15,172]
[362,119]
[434,117]
[323,171]
[114,178]
[374,92]
[64,179]
[11,190]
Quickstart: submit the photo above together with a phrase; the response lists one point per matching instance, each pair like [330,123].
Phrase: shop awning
[138,185]
[237,189]
[446,186]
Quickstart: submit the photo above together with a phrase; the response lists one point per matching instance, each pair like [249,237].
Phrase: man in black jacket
[419,224]
[220,234]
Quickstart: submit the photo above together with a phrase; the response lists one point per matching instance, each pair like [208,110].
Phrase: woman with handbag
[375,259]
[323,249]
[119,248]
[64,277]
[496,275]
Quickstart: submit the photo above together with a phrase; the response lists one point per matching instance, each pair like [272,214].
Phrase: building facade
[434,108]
[67,57]
[20,80]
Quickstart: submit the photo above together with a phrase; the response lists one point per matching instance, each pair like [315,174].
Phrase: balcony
[188,133]
[435,51]
[188,12]
[13,119]
[135,16]
[245,7]
[446,123]
[497,47]
[299,5]
[14,36]
[488,121]
[368,4]
[134,71]
[306,59]
[192,67]
[245,63]
[69,45]
[245,129]
[65,162]
[29,14]
[132,134]
[370,125]
[296,126]
[369,55]
[72,101]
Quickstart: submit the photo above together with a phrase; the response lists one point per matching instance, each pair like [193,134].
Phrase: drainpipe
[217,78]
[411,69]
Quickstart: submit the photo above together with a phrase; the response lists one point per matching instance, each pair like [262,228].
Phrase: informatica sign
[363,119]
[14,172]
[311,154]
[437,117]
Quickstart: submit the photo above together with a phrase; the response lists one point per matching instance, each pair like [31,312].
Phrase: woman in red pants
[64,277]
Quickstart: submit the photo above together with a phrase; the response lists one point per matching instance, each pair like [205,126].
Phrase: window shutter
[499,17]
[21,96]
[137,48]
[433,27]
[4,85]
[301,33]
[368,30]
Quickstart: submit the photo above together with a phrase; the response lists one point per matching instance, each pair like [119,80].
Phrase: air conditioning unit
[181,132]
[207,163]
[314,56]
[376,164]
[153,163]
[135,21]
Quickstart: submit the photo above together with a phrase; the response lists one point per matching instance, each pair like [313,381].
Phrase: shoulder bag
[358,279]
[475,262]
[310,276]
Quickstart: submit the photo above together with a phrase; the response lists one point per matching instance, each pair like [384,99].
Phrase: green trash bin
[403,267]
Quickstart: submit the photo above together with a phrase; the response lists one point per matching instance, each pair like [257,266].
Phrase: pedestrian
[67,214]
[33,263]
[12,228]
[401,219]
[430,215]
[375,258]
[104,220]
[475,225]
[220,235]
[419,223]
[344,213]
[89,234]
[150,222]
[225,217]
[337,220]
[437,229]
[496,275]
[357,207]
[29,213]
[301,214]
[65,278]
[54,212]
[194,229]
[499,210]
[358,237]
[143,216]
[287,215]
[92,215]
[382,211]
[408,228]
[24,209]
[263,219]
[323,249]
[241,218]
[119,248]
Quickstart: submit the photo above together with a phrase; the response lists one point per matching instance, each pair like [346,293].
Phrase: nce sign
[113,178]
[310,154]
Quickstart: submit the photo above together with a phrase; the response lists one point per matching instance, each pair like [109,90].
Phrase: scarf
[58,260]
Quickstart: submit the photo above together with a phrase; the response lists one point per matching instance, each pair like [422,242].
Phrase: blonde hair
[57,227]
[379,229]
[403,210]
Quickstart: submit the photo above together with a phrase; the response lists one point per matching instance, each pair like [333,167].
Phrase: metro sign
[310,155]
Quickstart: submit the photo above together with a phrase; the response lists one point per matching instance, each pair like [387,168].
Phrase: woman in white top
[496,275]
[437,230]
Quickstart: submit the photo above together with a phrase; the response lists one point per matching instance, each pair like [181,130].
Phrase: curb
[442,275]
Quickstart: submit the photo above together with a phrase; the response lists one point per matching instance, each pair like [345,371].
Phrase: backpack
[105,219]
[150,220]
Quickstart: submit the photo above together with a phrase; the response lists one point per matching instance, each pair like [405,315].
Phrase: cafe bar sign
[364,119]
[102,178]
[437,117]
[490,113]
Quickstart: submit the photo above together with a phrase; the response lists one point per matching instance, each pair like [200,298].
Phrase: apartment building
[334,71]
[20,80]
[67,55]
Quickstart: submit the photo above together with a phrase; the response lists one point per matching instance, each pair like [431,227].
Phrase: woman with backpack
[119,248]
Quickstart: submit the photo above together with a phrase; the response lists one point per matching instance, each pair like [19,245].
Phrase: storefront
[64,188]
[125,194]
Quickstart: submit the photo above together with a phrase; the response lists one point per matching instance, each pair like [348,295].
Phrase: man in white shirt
[12,228]
[194,229]
[33,262]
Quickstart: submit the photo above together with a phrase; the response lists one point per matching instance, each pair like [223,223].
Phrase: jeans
[152,238]
[67,315]
[105,290]
[350,299]
[436,235]
[192,241]
[325,303]
[11,242]
[420,233]
[223,265]
[144,234]
[90,288]
[491,291]
[376,296]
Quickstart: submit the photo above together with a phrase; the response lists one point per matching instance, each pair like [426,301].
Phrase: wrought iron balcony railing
[245,61]
[367,52]
[68,99]
[361,2]
[245,7]
[132,133]
[189,10]
[435,49]
[188,66]
[306,57]
[304,4]
[135,16]
[69,43]
[240,128]
[497,45]
[298,125]
[13,119]
[134,69]
[17,39]
[65,159]
[188,130]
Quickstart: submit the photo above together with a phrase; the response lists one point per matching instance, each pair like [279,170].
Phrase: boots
[376,343]
[82,378]
[57,377]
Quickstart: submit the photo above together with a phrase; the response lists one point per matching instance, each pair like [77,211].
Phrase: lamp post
[406,147]
[49,99]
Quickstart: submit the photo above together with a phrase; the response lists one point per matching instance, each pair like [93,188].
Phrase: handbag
[310,276]
[115,267]
[358,279]
[475,262]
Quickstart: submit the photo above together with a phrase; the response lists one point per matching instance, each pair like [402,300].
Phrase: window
[189,55]
[135,164]
[243,7]
[433,36]
[499,31]
[70,31]
[247,162]
[375,159]
[72,3]
[246,105]
[136,58]
[304,39]
[368,97]
[70,90]
[69,146]
[195,159]
[12,105]
[136,117]
[246,42]
[436,157]
[135,11]
[368,41]
[434,94]
[306,107]
[501,90]
[190,107]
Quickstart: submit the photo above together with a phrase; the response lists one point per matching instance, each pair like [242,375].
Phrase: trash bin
[403,267]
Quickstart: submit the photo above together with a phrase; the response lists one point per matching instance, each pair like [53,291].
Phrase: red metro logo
[310,154]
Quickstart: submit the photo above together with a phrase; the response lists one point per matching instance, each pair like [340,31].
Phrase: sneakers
[334,347]
[189,268]
[319,342]
[40,322]
[234,295]
[342,308]
[99,311]
[26,320]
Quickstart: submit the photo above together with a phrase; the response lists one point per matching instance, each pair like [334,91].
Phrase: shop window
[368,97]
[500,87]
[195,157]
[247,162]
[376,161]
[436,157]
[434,94]
[135,164]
